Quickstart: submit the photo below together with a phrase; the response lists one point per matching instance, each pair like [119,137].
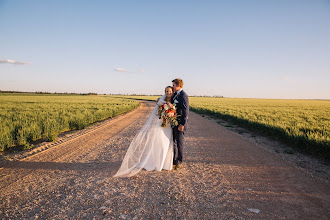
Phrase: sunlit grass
[25,118]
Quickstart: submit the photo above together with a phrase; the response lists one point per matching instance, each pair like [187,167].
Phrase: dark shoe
[178,166]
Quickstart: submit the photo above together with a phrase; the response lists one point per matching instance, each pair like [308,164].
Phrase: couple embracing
[156,147]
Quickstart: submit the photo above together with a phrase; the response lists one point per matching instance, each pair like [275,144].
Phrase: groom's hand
[181,127]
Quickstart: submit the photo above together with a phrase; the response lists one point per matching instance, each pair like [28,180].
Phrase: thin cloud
[120,70]
[127,71]
[9,61]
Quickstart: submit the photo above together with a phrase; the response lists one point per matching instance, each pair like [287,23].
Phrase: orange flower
[170,113]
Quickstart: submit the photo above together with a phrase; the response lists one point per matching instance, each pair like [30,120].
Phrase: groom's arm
[185,110]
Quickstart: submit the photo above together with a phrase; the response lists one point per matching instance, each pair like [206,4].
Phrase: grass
[25,118]
[303,124]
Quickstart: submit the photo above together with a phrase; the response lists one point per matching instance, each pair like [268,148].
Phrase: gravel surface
[226,176]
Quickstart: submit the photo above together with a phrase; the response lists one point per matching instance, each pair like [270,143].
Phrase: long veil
[141,145]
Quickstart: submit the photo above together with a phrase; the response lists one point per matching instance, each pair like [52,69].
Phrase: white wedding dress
[151,148]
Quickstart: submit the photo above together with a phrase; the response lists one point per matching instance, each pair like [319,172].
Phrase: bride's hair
[168,87]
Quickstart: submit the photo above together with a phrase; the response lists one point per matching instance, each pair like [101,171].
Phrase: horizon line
[126,94]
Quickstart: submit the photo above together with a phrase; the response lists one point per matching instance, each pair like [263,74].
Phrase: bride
[152,146]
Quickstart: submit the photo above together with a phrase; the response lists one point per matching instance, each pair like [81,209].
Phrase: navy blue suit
[182,109]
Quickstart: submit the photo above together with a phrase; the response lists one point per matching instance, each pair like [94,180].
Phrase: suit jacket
[182,107]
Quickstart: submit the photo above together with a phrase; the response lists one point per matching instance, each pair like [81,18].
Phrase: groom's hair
[178,81]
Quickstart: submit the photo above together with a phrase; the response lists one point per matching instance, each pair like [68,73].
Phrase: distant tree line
[214,96]
[55,93]
[93,93]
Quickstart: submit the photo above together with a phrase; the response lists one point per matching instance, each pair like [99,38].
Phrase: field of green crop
[303,124]
[25,118]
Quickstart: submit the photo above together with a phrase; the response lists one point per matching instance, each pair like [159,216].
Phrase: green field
[303,124]
[25,118]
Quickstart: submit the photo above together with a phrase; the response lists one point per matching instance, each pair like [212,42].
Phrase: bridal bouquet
[167,111]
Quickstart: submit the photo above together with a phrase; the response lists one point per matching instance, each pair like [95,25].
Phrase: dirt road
[225,177]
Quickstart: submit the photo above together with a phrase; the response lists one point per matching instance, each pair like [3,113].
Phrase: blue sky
[252,49]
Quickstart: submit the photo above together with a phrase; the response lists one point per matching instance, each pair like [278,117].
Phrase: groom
[180,98]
